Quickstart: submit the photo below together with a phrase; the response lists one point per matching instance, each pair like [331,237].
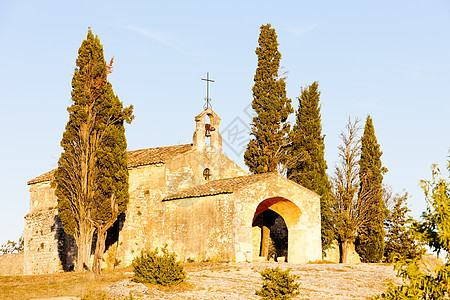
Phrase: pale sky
[389,59]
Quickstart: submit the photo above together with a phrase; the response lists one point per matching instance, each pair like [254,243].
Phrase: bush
[277,285]
[151,267]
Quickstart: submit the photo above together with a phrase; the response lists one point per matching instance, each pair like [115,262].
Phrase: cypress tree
[370,240]
[112,178]
[307,165]
[91,181]
[266,151]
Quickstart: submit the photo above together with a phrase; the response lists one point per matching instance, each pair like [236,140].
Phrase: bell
[207,174]
[208,130]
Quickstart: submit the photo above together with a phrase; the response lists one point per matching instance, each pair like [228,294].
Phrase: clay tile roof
[220,186]
[155,155]
[136,158]
[44,177]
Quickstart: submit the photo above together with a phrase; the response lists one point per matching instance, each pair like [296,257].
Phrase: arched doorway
[271,229]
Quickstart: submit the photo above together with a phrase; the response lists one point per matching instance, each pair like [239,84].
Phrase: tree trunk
[84,243]
[101,236]
[345,251]
[99,250]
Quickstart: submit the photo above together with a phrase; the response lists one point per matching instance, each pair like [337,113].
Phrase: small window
[207,174]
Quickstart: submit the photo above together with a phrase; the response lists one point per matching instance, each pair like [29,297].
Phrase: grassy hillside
[206,281]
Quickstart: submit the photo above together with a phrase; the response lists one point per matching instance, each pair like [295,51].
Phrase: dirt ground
[240,281]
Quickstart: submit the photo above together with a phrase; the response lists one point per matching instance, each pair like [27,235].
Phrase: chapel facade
[194,199]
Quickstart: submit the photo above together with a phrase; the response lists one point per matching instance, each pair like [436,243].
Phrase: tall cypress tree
[112,179]
[307,165]
[91,180]
[370,240]
[267,150]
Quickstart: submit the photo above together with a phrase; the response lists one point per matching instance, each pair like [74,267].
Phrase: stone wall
[42,197]
[332,254]
[199,229]
[11,264]
[146,187]
[47,248]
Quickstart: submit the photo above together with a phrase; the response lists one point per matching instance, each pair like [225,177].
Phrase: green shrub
[277,285]
[151,267]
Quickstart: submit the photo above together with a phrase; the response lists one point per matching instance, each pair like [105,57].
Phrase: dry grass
[70,284]
[208,281]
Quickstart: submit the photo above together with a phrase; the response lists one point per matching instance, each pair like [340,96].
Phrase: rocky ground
[240,281]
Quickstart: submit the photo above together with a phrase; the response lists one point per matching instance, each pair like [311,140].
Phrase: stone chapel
[192,198]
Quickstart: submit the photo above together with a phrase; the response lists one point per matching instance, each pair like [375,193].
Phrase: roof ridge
[190,144]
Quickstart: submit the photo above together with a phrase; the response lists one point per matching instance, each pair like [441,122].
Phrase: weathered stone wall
[147,186]
[332,254]
[11,264]
[42,197]
[47,248]
[198,229]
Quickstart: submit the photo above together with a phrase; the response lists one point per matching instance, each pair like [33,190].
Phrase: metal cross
[207,99]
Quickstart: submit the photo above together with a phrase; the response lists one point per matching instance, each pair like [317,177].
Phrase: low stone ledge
[11,264]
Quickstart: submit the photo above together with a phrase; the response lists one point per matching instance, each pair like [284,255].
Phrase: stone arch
[276,213]
[202,127]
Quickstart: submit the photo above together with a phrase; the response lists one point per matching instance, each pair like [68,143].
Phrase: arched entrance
[272,221]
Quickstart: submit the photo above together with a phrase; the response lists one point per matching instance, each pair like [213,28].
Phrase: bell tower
[207,135]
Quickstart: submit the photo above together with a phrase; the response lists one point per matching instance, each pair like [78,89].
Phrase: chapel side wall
[146,189]
[307,246]
[187,170]
[199,229]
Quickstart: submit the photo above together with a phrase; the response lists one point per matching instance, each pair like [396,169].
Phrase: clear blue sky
[389,59]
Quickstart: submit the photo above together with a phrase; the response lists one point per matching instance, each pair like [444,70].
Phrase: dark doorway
[274,235]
